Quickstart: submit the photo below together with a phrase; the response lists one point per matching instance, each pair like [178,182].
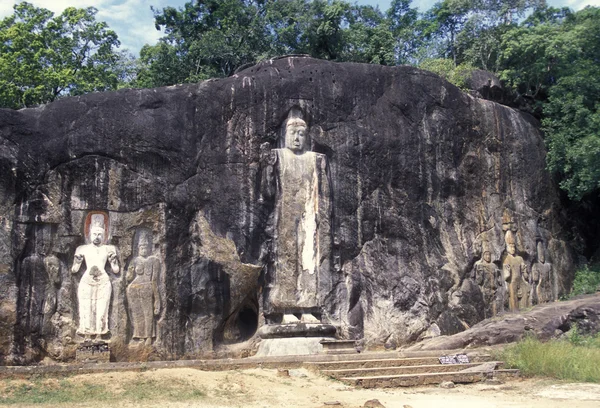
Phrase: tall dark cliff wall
[422,176]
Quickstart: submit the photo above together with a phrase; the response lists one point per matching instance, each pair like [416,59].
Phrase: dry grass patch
[125,387]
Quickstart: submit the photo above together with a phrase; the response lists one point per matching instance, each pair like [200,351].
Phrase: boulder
[422,176]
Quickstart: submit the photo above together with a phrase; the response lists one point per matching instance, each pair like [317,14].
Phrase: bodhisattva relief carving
[489,279]
[142,292]
[516,275]
[297,179]
[95,289]
[541,273]
[41,279]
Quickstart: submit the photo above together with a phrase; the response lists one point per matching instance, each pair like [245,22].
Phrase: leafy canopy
[43,57]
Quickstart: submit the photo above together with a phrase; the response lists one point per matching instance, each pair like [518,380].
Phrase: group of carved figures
[515,286]
[95,288]
[296,179]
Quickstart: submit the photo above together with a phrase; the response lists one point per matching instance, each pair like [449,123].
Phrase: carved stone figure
[52,266]
[142,292]
[541,273]
[489,278]
[516,275]
[95,289]
[40,280]
[298,276]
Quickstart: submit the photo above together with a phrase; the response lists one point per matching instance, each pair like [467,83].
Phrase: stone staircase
[408,372]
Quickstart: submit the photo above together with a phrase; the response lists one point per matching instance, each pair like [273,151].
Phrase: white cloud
[132,20]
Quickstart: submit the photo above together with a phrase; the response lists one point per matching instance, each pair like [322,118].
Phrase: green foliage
[586,281]
[68,391]
[558,358]
[457,75]
[214,38]
[43,57]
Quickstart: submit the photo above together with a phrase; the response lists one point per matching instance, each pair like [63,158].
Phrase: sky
[133,21]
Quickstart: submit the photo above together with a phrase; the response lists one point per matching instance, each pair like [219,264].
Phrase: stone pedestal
[294,339]
[93,352]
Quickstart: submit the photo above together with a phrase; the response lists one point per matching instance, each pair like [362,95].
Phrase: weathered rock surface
[486,85]
[543,321]
[421,175]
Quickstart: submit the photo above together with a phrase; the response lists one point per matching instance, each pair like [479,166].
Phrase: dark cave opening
[247,322]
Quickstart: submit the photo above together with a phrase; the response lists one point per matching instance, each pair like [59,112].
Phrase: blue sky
[134,23]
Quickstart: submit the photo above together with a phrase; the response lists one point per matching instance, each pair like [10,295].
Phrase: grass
[576,358]
[52,391]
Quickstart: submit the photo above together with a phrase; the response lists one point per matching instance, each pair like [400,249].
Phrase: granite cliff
[424,179]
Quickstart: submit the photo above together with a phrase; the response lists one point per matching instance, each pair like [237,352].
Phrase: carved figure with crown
[489,279]
[142,292]
[95,289]
[516,275]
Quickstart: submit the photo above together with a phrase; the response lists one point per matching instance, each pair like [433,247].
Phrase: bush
[586,281]
[457,75]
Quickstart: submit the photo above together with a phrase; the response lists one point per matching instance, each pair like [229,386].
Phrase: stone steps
[387,362]
[391,371]
[414,380]
[411,372]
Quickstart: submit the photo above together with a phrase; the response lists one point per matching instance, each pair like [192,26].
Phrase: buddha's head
[295,135]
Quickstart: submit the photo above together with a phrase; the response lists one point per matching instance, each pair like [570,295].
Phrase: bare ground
[264,388]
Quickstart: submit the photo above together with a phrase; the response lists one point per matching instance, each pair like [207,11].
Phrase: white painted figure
[95,289]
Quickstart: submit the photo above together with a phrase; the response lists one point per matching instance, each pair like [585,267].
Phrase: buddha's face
[487,256]
[97,235]
[295,138]
[512,248]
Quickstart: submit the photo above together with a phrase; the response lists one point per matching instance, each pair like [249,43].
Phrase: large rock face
[422,177]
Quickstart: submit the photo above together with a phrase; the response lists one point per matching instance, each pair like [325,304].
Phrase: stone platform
[93,352]
[367,369]
[294,339]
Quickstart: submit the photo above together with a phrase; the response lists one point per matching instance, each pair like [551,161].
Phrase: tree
[449,18]
[213,38]
[210,38]
[43,57]
[409,32]
[572,112]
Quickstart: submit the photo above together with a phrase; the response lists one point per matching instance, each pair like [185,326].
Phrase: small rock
[447,384]
[297,373]
[283,373]
[374,403]
[494,381]
[407,406]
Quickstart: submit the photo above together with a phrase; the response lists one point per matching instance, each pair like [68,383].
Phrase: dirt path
[263,388]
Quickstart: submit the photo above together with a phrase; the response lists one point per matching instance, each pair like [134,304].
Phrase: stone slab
[296,346]
[274,331]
